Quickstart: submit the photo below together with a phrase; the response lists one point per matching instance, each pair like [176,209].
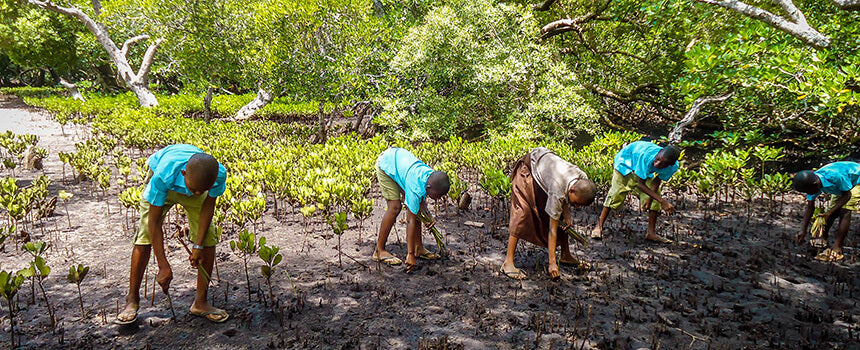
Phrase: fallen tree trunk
[247,111]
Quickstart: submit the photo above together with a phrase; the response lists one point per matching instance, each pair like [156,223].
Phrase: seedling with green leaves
[338,226]
[271,258]
[245,247]
[38,271]
[361,209]
[10,284]
[65,196]
[76,275]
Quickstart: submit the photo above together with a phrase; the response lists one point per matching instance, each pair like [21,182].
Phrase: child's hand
[553,270]
[194,258]
[165,275]
[669,208]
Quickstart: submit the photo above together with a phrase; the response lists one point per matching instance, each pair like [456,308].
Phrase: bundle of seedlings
[425,218]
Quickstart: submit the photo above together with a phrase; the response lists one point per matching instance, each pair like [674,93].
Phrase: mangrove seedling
[39,270]
[361,209]
[9,286]
[271,258]
[245,247]
[76,276]
[425,218]
[338,226]
[65,196]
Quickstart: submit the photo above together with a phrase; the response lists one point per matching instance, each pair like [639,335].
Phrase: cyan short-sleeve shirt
[638,158]
[410,174]
[837,177]
[166,166]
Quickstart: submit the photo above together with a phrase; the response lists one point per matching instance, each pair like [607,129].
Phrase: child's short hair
[671,152]
[805,181]
[438,181]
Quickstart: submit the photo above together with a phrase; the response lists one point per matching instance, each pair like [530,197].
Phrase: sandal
[516,274]
[128,321]
[818,242]
[578,264]
[217,315]
[828,255]
[428,255]
[388,260]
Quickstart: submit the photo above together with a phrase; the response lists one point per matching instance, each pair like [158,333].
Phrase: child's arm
[552,242]
[205,220]
[165,274]
[655,193]
[838,204]
[807,216]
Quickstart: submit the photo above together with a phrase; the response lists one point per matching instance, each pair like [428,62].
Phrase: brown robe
[529,221]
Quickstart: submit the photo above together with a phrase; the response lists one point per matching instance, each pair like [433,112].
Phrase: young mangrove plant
[338,226]
[271,258]
[65,196]
[9,286]
[361,209]
[76,275]
[245,247]
[39,270]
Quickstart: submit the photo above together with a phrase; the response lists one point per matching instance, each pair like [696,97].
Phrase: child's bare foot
[128,314]
[653,237]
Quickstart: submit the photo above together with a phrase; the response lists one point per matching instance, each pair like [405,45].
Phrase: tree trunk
[263,98]
[677,132]
[795,24]
[207,104]
[135,81]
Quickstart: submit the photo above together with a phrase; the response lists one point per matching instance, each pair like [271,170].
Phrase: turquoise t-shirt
[166,176]
[638,158]
[410,174]
[837,178]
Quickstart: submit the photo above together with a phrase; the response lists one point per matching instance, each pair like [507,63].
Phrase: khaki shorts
[390,189]
[853,202]
[192,206]
[622,185]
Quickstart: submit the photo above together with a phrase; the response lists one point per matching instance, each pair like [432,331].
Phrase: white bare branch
[677,132]
[849,5]
[796,26]
[130,41]
[148,57]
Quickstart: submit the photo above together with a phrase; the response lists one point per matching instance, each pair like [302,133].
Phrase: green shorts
[622,185]
[390,189]
[853,202]
[192,206]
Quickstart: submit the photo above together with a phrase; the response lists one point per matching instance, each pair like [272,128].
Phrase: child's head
[807,182]
[582,192]
[438,184]
[200,173]
[667,156]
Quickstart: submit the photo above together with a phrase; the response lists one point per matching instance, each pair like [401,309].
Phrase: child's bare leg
[842,231]
[566,256]
[651,235]
[139,260]
[829,223]
[413,233]
[597,232]
[201,304]
[508,265]
[385,228]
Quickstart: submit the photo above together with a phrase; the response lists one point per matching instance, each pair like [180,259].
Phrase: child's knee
[394,209]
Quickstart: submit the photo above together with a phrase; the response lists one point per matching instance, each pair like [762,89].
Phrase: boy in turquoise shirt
[399,172]
[841,179]
[185,175]
[635,168]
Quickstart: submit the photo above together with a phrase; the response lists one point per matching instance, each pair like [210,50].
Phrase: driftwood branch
[677,132]
[795,25]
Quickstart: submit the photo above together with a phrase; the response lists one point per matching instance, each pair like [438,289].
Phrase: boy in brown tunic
[544,186]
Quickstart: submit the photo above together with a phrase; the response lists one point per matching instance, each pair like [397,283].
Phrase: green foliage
[76,275]
[473,66]
[271,258]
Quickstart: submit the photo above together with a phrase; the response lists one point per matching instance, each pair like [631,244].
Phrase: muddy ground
[731,281]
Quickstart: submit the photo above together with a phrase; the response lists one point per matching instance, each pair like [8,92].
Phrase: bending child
[179,174]
[634,170]
[402,175]
[544,186]
[841,179]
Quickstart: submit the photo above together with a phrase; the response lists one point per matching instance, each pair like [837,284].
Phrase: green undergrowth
[267,159]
